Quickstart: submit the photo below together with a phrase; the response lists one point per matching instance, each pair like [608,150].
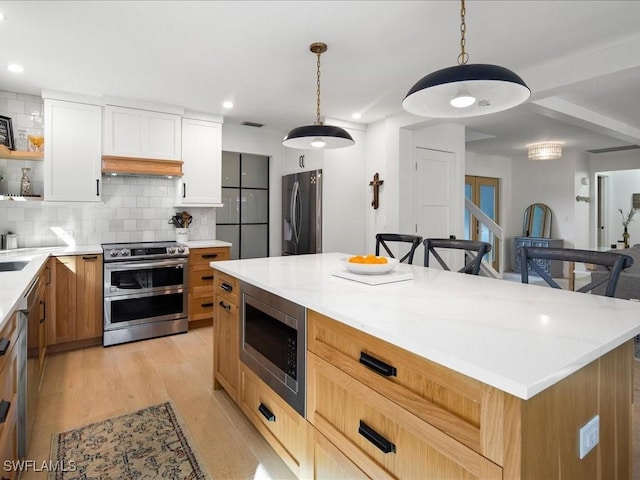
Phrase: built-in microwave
[273,343]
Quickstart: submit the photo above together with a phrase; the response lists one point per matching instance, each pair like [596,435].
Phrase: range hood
[146,167]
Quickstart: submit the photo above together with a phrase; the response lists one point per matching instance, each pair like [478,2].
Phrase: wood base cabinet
[9,394]
[75,302]
[201,304]
[279,424]
[226,329]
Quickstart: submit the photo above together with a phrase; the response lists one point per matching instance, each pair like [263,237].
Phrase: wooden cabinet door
[89,296]
[62,327]
[72,167]
[226,363]
[202,163]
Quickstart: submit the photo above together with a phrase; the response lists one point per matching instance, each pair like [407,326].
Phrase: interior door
[432,186]
[484,192]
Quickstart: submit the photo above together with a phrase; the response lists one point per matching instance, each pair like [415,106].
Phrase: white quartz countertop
[518,338]
[13,285]
[206,243]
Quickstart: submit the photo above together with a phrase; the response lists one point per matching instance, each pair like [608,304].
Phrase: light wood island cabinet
[226,328]
[375,410]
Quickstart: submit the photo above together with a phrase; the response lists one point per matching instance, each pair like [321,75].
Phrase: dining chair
[472,261]
[382,240]
[615,263]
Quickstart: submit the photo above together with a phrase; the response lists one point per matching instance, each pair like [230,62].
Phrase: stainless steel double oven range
[145,290]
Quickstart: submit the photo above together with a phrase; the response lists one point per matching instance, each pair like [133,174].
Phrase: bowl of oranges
[370,264]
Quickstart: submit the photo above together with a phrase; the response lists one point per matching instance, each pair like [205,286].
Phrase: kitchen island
[529,365]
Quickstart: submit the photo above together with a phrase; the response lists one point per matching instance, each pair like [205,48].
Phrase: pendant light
[318,135]
[466,90]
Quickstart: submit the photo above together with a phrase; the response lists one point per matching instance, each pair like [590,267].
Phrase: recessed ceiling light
[15,68]
[356,116]
[227,104]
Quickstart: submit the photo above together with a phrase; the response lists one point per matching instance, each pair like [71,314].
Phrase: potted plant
[625,223]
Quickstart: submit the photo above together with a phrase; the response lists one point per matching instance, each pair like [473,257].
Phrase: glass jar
[22,144]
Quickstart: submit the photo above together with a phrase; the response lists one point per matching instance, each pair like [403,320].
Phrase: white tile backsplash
[118,218]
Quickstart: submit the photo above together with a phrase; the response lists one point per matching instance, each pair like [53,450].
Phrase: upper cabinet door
[72,166]
[200,184]
[131,132]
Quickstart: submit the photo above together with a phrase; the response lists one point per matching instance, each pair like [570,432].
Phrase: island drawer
[456,404]
[226,286]
[330,462]
[380,437]
[9,390]
[9,333]
[279,424]
[202,256]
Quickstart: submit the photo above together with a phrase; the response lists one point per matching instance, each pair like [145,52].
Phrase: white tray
[392,276]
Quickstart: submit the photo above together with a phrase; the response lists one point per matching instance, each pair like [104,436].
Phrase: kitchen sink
[12,266]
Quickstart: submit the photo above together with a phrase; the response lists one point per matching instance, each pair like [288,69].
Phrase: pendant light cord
[463,58]
[318,122]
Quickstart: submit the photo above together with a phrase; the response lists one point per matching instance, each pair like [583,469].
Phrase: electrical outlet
[589,436]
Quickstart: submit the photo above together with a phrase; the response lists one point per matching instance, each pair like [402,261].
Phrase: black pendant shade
[494,88]
[332,136]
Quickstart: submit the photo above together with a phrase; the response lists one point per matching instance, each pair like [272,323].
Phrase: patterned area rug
[147,444]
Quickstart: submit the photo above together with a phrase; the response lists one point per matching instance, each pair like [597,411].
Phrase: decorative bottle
[625,238]
[22,144]
[25,183]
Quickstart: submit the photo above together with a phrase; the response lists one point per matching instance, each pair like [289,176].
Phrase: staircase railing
[496,235]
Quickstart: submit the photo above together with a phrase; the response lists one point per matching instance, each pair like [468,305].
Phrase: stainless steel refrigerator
[302,213]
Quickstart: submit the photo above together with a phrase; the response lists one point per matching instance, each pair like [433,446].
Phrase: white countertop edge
[509,385]
[206,243]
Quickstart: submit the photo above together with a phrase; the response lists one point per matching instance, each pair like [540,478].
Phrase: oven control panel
[115,252]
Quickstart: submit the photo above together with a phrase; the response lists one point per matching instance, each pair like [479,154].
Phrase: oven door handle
[120,266]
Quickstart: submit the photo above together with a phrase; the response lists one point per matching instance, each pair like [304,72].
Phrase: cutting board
[391,277]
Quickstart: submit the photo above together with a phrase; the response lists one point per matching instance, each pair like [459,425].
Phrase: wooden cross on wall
[375,183]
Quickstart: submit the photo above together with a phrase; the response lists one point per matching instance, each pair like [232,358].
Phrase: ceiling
[581,60]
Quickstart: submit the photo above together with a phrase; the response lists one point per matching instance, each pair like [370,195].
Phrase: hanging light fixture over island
[318,135]
[466,90]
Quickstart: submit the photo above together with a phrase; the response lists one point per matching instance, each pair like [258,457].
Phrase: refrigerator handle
[295,212]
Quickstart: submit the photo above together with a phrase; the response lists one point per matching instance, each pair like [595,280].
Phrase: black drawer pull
[206,305]
[4,345]
[4,410]
[268,414]
[226,287]
[376,439]
[208,277]
[377,366]
[224,305]
[210,255]
[92,257]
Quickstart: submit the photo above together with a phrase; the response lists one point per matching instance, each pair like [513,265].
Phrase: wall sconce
[545,151]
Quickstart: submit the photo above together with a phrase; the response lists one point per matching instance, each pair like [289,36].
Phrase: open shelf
[14,155]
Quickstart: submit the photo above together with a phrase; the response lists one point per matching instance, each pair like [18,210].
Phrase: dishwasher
[27,306]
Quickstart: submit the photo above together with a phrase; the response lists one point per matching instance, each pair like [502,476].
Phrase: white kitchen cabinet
[312,159]
[200,184]
[73,138]
[132,132]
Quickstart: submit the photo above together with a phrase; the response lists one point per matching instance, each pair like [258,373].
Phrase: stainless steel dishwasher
[26,306]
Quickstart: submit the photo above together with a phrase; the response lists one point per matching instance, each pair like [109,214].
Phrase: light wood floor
[93,384]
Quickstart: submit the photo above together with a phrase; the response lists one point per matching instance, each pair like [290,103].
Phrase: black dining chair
[472,260]
[615,263]
[383,240]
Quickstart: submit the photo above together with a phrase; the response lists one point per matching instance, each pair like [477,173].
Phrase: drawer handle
[4,345]
[224,305]
[208,277]
[210,255]
[377,366]
[266,413]
[4,410]
[376,439]
[226,287]
[92,257]
[206,305]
